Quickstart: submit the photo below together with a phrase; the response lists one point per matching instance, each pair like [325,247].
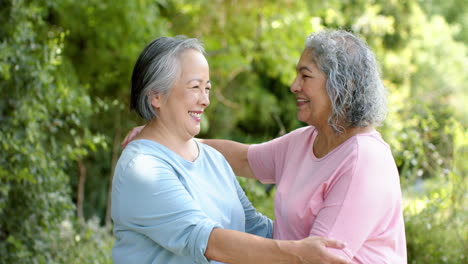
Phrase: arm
[235,153]
[233,247]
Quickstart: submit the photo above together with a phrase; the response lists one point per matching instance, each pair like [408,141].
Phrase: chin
[195,132]
[301,118]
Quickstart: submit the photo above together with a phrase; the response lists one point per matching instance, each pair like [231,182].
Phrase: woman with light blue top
[175,200]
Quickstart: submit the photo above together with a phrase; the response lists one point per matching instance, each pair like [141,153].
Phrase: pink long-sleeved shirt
[351,194]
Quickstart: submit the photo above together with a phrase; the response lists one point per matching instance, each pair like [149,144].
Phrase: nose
[295,86]
[205,98]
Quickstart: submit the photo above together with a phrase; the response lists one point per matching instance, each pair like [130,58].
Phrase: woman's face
[182,111]
[309,87]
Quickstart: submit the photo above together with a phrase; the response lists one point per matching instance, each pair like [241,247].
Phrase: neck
[184,147]
[327,139]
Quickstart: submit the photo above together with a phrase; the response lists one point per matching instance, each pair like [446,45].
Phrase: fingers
[332,243]
[317,252]
[125,141]
[339,260]
[334,259]
[331,258]
[131,135]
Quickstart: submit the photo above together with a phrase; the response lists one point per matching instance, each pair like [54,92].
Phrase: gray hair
[156,71]
[356,91]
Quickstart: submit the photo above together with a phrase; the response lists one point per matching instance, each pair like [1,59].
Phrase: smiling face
[181,112]
[309,87]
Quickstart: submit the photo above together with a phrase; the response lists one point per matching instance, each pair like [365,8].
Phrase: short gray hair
[156,71]
[356,91]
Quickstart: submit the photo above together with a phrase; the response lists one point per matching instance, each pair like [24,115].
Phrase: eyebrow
[199,80]
[304,68]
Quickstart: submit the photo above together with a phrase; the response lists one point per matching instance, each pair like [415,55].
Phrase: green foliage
[435,211]
[261,196]
[454,12]
[78,242]
[447,242]
[423,146]
[44,131]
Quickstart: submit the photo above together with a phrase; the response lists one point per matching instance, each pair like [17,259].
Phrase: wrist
[289,248]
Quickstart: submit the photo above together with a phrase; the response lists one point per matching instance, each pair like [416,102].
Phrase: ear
[157,101]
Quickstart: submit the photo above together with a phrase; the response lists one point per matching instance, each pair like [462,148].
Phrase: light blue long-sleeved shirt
[164,207]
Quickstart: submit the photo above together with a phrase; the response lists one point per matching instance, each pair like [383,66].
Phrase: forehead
[306,56]
[192,58]
[306,60]
[192,62]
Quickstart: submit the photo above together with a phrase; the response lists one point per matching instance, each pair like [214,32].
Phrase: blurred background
[65,71]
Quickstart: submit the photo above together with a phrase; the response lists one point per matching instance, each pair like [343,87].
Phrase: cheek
[188,97]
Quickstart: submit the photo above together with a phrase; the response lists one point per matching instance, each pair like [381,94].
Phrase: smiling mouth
[196,115]
[300,102]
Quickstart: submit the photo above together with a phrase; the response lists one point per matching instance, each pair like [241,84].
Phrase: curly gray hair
[156,70]
[356,91]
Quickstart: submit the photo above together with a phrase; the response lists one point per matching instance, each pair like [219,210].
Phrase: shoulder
[139,160]
[374,160]
[214,161]
[212,156]
[142,152]
[298,134]
[209,151]
[302,131]
[372,146]
[375,171]
[283,143]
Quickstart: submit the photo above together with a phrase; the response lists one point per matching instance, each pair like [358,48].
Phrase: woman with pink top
[335,177]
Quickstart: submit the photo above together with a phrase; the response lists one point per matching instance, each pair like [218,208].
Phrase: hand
[131,135]
[313,250]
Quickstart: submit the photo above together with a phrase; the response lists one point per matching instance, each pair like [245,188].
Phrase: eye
[195,87]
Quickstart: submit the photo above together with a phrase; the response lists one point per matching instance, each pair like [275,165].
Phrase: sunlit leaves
[40,107]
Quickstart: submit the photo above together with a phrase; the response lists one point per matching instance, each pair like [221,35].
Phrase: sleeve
[357,204]
[155,203]
[255,222]
[267,158]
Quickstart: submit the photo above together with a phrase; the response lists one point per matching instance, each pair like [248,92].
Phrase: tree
[45,130]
